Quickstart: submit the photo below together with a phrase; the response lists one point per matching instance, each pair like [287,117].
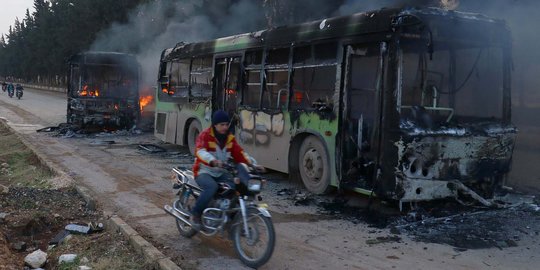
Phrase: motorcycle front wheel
[185,204]
[255,248]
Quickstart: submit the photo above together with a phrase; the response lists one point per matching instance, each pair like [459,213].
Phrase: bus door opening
[361,113]
[227,75]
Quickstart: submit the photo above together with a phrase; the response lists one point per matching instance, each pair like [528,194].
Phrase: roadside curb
[141,246]
[45,88]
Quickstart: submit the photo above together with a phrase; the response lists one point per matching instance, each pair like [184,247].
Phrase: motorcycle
[235,211]
[10,91]
[19,91]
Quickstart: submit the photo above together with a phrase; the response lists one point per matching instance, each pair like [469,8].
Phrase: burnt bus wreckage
[406,104]
[103,90]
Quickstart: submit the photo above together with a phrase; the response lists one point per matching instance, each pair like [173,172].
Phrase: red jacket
[207,149]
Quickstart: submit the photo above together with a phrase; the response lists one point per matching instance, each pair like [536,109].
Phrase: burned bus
[103,90]
[408,104]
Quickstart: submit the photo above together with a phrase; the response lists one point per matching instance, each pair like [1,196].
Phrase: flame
[145,100]
[84,91]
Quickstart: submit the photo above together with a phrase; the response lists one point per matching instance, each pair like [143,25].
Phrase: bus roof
[372,22]
[99,57]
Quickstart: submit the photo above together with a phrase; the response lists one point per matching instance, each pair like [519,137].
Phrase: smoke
[354,6]
[161,24]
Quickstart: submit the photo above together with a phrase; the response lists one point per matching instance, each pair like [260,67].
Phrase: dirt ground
[33,214]
[313,232]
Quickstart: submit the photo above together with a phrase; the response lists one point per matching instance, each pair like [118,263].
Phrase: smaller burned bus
[103,90]
[409,104]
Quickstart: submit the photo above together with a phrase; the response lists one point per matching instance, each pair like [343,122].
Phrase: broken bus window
[201,77]
[314,76]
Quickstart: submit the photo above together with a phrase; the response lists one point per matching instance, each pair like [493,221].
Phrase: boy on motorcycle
[214,146]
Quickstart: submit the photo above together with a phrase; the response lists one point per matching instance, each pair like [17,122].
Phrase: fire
[85,92]
[145,100]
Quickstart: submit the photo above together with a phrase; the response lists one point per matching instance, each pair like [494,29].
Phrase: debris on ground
[36,259]
[151,148]
[59,238]
[485,228]
[384,239]
[102,142]
[67,258]
[285,192]
[65,130]
[37,220]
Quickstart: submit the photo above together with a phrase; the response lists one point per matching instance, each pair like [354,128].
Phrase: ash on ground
[65,130]
[442,222]
[475,229]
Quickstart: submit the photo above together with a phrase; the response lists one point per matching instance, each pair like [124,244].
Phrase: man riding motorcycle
[19,90]
[214,146]
[10,89]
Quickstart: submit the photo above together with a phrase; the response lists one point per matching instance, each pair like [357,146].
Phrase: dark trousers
[209,185]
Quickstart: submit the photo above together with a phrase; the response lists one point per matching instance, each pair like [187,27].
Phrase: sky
[10,9]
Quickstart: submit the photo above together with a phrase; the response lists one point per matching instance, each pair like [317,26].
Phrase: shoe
[195,222]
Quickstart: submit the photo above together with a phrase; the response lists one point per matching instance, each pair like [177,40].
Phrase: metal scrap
[152,148]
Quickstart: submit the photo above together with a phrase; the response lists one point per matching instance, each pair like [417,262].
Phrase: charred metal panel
[430,160]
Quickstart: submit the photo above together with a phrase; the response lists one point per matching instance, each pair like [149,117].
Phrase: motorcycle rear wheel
[256,250]
[185,203]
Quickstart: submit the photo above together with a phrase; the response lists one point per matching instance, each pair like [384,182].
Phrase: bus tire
[314,165]
[192,133]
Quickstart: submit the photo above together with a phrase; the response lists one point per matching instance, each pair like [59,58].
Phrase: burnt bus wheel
[192,133]
[314,165]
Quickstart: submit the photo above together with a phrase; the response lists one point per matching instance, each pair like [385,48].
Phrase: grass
[24,168]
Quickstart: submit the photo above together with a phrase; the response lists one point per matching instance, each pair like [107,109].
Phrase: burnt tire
[192,133]
[314,165]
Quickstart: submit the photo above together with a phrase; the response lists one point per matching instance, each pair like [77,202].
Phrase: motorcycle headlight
[254,185]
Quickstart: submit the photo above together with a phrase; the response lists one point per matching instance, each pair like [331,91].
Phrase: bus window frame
[244,84]
[201,99]
[267,68]
[168,97]
[312,62]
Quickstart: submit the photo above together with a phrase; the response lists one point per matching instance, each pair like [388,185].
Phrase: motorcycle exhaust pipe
[173,212]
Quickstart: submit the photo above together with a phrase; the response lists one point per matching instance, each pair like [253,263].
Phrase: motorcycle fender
[264,211]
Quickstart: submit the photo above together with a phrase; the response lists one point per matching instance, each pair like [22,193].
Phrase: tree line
[37,46]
